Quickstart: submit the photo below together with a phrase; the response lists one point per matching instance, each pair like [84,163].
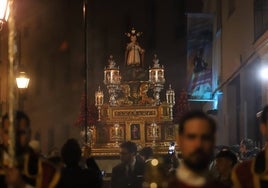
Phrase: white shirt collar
[189,177]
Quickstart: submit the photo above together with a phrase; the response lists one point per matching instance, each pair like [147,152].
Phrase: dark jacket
[120,178]
[2,167]
[251,173]
[72,177]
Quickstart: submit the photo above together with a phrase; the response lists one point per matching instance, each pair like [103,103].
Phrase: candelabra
[156,79]
[99,101]
[116,134]
[154,132]
[112,80]
[170,97]
[87,132]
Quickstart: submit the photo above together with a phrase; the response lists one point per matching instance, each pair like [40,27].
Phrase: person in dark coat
[253,173]
[225,161]
[129,173]
[154,169]
[72,175]
[30,170]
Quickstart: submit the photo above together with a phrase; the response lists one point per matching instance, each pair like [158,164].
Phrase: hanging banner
[199,56]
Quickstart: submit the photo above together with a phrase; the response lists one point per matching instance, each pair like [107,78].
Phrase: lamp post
[85,9]
[22,83]
[7,14]
[4,12]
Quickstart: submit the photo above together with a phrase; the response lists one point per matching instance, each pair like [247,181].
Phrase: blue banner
[199,56]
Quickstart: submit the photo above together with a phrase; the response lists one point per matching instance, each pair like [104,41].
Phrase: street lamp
[22,83]
[4,12]
[264,73]
[22,80]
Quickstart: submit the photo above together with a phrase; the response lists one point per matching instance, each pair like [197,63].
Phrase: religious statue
[134,54]
[143,94]
[199,62]
[135,131]
[126,98]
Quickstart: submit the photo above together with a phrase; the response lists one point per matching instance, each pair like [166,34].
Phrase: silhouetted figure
[93,166]
[147,154]
[199,62]
[129,173]
[154,170]
[72,175]
[30,169]
[246,150]
[3,150]
[253,173]
[225,161]
[54,157]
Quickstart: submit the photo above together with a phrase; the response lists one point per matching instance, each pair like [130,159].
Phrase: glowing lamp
[22,80]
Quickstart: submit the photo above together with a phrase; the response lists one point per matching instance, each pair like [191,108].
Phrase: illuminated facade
[240,37]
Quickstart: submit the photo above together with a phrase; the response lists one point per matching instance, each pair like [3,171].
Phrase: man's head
[22,127]
[22,122]
[225,161]
[128,151]
[146,153]
[264,122]
[197,139]
[246,145]
[71,152]
[4,130]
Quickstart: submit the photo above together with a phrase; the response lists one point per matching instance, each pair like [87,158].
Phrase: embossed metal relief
[116,133]
[170,132]
[135,131]
[135,112]
[153,132]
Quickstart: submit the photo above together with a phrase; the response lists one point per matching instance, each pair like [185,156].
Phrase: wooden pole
[11,80]
[86,68]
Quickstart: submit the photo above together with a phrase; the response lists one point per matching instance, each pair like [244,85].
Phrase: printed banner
[199,56]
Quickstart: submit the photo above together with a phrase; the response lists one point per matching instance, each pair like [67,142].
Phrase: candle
[116,131]
[154,132]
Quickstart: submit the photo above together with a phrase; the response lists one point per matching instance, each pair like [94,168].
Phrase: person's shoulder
[217,184]
[242,172]
[243,167]
[118,167]
[50,174]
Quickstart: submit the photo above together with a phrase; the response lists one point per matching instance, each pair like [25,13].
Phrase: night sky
[62,32]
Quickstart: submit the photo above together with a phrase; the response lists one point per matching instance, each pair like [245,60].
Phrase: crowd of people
[196,164]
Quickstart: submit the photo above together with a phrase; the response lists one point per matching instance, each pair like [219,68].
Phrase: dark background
[51,48]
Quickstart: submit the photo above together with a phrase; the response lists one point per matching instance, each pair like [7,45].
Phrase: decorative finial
[111,61]
[155,61]
[133,33]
